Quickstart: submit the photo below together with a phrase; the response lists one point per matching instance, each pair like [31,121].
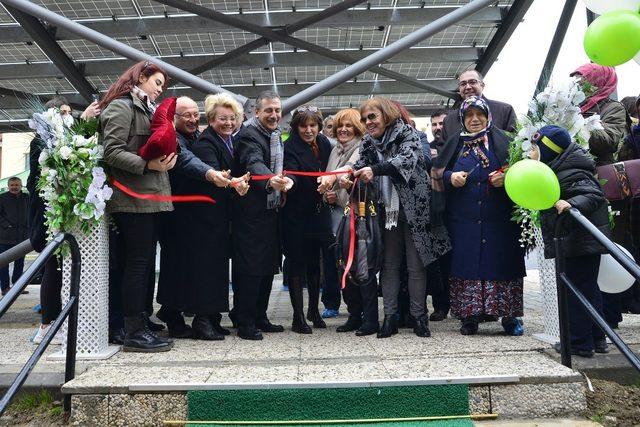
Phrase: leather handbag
[622,179]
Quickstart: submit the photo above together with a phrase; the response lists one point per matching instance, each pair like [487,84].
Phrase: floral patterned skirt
[491,297]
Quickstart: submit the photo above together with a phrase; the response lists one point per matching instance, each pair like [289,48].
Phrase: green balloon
[285,136]
[532,185]
[613,38]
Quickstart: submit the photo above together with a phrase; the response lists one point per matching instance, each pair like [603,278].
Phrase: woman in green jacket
[127,109]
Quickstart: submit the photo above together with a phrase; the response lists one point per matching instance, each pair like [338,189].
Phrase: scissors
[473,169]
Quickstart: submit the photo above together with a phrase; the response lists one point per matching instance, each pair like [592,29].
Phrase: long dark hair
[129,79]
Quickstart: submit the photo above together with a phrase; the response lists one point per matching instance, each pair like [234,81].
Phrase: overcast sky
[514,76]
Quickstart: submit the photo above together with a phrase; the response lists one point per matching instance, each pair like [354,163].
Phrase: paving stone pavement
[323,356]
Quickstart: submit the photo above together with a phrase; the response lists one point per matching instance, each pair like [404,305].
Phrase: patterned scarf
[276,148]
[472,140]
[142,96]
[389,192]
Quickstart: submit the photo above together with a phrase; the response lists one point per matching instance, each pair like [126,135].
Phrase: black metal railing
[70,310]
[565,283]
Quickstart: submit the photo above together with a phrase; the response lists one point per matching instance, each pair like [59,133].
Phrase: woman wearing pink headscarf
[603,144]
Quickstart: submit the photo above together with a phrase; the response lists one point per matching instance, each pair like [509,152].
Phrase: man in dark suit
[14,206]
[258,149]
[470,83]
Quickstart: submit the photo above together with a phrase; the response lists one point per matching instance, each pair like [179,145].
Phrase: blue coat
[484,239]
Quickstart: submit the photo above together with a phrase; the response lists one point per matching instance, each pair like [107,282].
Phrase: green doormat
[332,404]
[441,423]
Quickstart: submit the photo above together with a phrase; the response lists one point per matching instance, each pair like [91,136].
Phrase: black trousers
[252,298]
[362,301]
[50,291]
[138,234]
[583,272]
[438,283]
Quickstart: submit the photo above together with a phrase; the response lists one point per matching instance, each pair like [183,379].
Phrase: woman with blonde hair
[205,288]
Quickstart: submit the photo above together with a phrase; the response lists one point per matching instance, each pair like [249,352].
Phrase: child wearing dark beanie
[580,189]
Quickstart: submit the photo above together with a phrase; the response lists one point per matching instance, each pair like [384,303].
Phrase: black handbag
[358,246]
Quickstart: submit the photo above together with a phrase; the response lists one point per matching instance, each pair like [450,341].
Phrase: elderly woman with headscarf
[487,264]
[392,154]
[603,144]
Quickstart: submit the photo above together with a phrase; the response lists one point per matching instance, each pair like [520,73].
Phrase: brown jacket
[125,127]
[603,144]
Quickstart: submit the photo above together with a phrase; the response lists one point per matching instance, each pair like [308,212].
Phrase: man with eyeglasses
[187,120]
[470,83]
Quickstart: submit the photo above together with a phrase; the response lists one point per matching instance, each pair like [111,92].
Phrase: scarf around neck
[142,96]
[276,150]
[390,196]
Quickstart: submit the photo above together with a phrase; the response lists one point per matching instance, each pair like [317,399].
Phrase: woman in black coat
[306,150]
[206,226]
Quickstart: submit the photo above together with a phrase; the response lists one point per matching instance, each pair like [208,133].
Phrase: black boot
[469,326]
[352,324]
[421,326]
[389,326]
[175,322]
[116,336]
[215,320]
[367,329]
[299,324]
[313,314]
[152,326]
[140,339]
[203,329]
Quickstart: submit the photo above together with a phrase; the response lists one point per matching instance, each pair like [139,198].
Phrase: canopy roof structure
[298,43]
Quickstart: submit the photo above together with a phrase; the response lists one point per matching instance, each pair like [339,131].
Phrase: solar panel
[20,52]
[150,7]
[82,9]
[39,86]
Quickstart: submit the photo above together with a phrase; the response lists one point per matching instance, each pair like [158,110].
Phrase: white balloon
[604,6]
[613,278]
[637,58]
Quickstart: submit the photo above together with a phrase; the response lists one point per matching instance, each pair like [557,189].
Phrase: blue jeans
[18,267]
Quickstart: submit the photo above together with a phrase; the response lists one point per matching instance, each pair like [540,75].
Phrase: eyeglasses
[309,108]
[188,116]
[471,82]
[226,118]
[371,117]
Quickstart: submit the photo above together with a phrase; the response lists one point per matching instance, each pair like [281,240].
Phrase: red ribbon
[299,173]
[352,238]
[160,198]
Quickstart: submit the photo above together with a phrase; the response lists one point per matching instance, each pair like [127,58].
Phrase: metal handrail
[69,310]
[565,283]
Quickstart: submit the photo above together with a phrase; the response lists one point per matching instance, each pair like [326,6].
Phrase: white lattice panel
[549,292]
[93,310]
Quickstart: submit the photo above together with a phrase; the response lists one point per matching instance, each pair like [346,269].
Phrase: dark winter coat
[578,186]
[14,212]
[485,241]
[256,242]
[37,227]
[503,116]
[194,274]
[300,220]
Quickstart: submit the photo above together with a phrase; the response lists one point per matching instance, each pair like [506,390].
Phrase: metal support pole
[384,54]
[72,330]
[591,16]
[556,44]
[563,303]
[301,44]
[52,49]
[118,47]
